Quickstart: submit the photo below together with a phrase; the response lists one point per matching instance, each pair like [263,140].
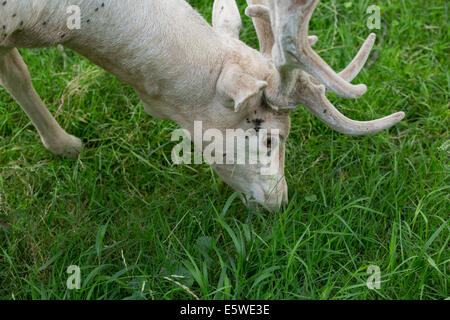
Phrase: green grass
[131,220]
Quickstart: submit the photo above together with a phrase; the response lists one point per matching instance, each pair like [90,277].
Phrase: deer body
[182,68]
[170,65]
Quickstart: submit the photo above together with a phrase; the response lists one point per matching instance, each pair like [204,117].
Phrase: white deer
[185,70]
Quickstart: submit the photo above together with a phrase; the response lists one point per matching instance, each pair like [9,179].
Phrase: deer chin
[273,201]
[257,191]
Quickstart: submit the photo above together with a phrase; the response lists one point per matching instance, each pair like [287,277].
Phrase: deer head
[286,73]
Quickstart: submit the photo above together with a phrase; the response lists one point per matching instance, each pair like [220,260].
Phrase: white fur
[185,70]
[182,69]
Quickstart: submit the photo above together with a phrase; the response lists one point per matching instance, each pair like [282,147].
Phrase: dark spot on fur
[325,111]
[257,123]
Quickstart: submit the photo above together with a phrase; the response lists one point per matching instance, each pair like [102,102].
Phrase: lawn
[140,227]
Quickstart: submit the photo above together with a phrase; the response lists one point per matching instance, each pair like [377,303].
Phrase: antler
[282,27]
[262,21]
[313,97]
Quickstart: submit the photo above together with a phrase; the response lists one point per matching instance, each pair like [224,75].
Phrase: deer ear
[237,88]
[226,18]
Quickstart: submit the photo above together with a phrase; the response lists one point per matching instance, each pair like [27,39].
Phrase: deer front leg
[14,76]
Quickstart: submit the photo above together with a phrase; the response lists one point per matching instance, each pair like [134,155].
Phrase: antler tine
[354,68]
[260,14]
[313,97]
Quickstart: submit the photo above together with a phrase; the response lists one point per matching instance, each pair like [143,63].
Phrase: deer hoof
[67,147]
